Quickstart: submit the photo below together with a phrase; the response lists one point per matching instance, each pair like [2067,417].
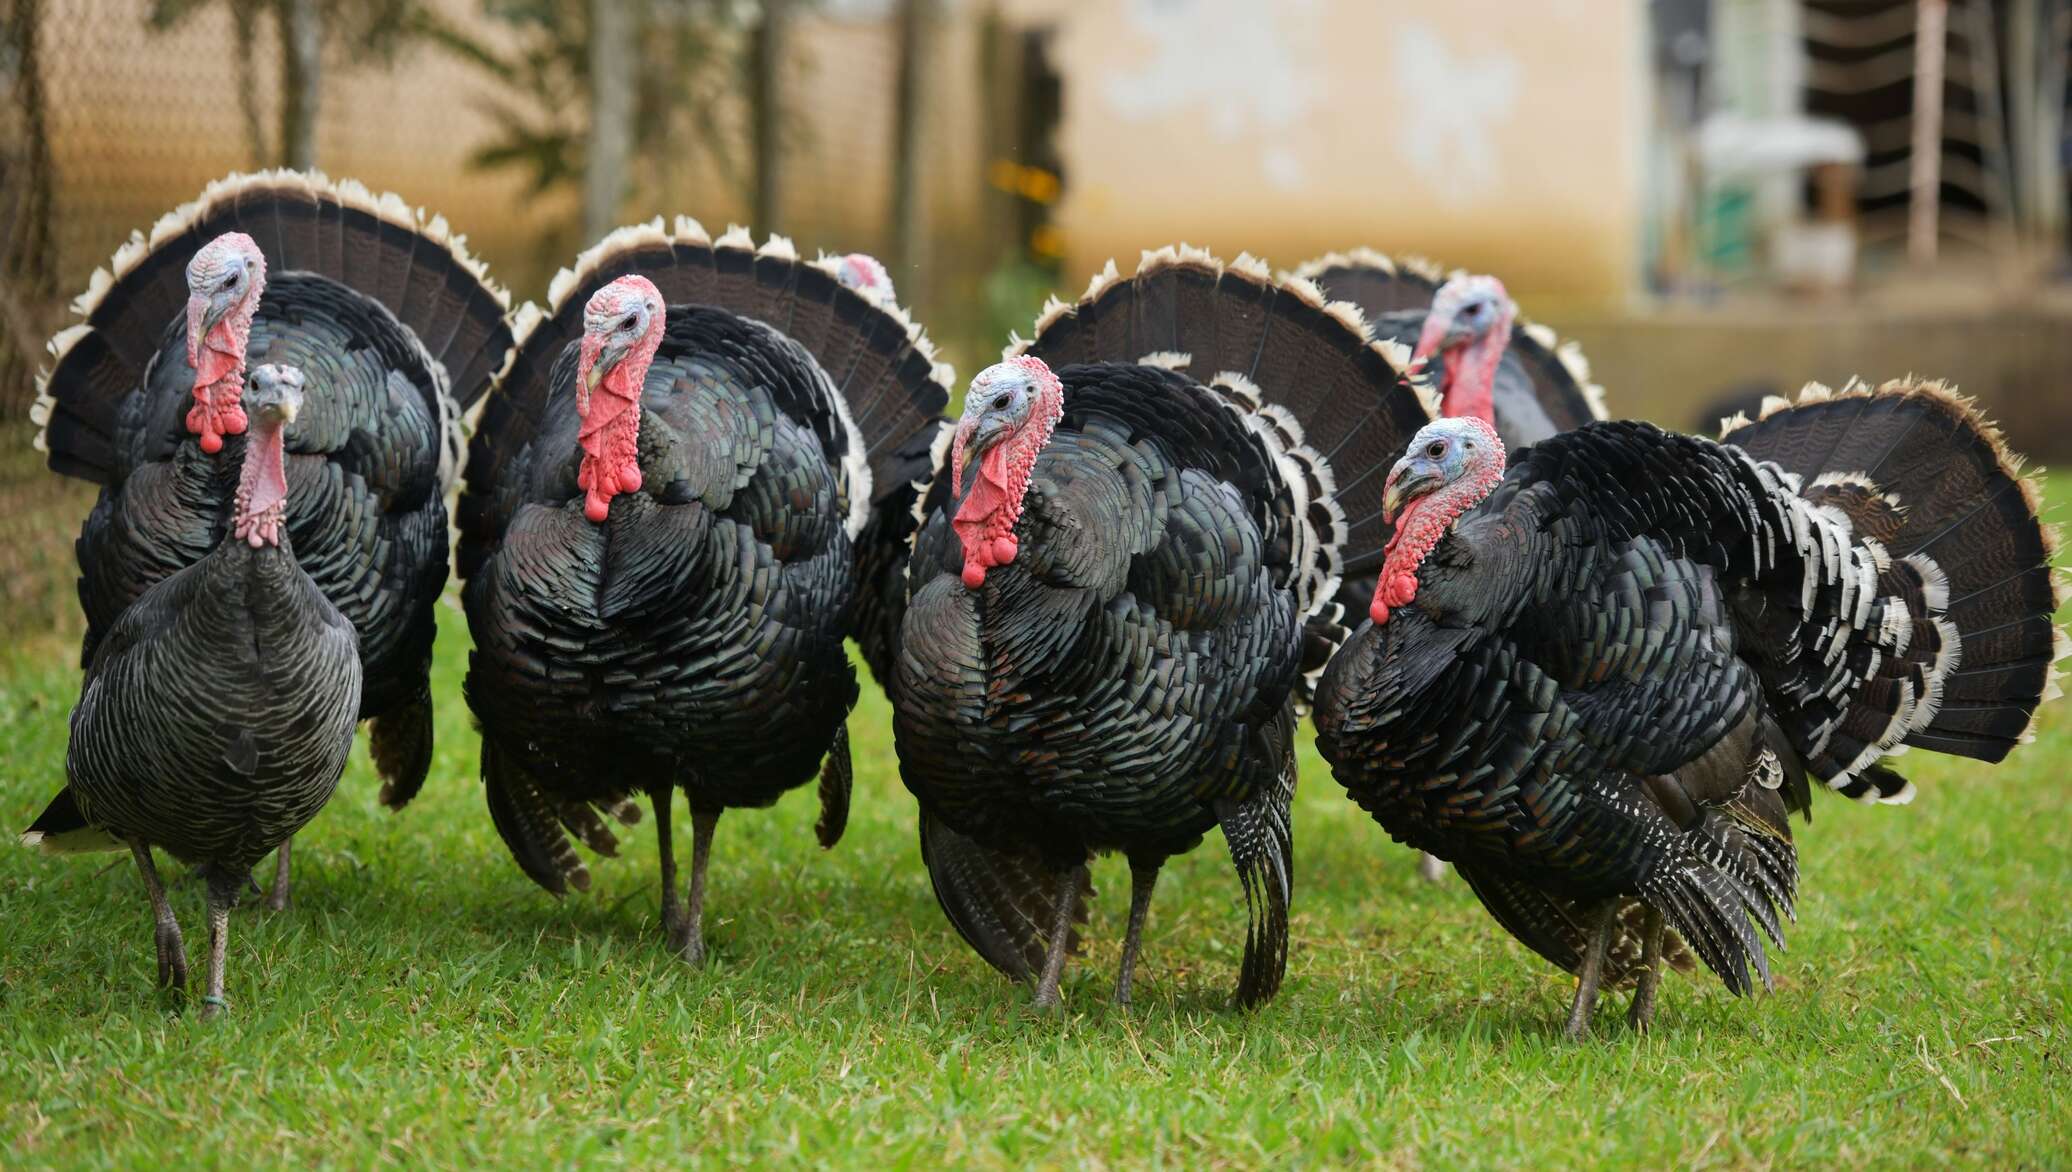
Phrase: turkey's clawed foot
[212,1003]
[1060,939]
[1142,880]
[1430,868]
[1602,920]
[172,955]
[688,940]
[277,899]
[1641,1014]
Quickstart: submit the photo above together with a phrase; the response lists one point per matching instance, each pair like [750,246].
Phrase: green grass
[424,1003]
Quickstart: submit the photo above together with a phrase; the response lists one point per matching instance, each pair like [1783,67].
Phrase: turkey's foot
[1060,938]
[221,900]
[1602,919]
[1143,877]
[1430,868]
[689,942]
[172,950]
[1641,1014]
[277,898]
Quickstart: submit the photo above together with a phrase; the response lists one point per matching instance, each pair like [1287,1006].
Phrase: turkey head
[1452,464]
[271,402]
[622,326]
[1468,329]
[1009,413]
[224,282]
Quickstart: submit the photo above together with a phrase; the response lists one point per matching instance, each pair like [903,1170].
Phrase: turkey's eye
[629,321]
[1003,402]
[1435,449]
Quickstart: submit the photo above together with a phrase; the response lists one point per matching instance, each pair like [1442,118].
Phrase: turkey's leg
[1430,868]
[674,924]
[277,898]
[1143,877]
[1642,1012]
[702,822]
[172,951]
[1602,918]
[222,897]
[1060,937]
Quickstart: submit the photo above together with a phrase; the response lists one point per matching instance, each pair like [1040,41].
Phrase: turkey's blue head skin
[1451,464]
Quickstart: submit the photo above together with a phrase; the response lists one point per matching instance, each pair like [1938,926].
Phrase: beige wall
[1499,134]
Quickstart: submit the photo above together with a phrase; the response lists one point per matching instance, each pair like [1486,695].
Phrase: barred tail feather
[1964,591]
[1001,904]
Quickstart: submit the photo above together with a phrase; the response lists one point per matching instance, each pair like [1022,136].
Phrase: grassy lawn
[424,1003]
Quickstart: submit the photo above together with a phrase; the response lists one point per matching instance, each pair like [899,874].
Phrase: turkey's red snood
[1425,520]
[985,519]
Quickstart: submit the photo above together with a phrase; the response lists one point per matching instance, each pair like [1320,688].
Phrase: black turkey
[1130,561]
[1598,684]
[398,332]
[674,502]
[219,707]
[1492,363]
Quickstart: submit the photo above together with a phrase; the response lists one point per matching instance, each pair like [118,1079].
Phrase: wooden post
[613,60]
[905,260]
[302,62]
[1931,22]
[766,112]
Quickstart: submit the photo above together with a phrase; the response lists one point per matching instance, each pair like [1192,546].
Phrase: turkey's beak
[1440,333]
[1412,477]
[607,358]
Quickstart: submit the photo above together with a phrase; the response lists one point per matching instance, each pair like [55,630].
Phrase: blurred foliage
[1014,292]
[687,109]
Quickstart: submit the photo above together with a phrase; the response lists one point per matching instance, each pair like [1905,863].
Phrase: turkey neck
[1471,374]
[262,487]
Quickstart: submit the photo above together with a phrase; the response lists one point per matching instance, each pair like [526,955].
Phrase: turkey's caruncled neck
[218,360]
[1419,529]
[262,488]
[611,432]
[985,519]
[1470,374]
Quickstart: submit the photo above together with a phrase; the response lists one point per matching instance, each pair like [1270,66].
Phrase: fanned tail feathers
[376,244]
[1305,374]
[881,365]
[1929,579]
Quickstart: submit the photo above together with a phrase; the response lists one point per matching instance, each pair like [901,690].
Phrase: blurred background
[1717,198]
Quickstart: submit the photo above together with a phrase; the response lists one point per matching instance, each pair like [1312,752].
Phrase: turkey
[1600,683]
[1131,559]
[1493,365]
[398,332]
[1524,380]
[219,707]
[673,505]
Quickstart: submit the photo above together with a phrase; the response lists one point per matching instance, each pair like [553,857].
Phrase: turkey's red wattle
[262,488]
[610,439]
[985,520]
[218,359]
